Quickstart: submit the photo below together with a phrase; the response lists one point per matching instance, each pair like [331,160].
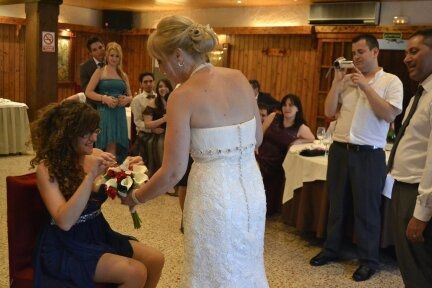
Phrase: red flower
[112,192]
[120,176]
[110,173]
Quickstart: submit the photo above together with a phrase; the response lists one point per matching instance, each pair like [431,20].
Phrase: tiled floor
[286,253]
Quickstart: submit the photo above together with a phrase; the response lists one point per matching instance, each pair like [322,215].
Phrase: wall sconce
[222,38]
[66,33]
[400,20]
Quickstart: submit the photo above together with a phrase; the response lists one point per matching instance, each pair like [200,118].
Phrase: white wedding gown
[225,208]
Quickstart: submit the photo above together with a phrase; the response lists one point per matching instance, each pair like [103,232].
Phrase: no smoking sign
[48,41]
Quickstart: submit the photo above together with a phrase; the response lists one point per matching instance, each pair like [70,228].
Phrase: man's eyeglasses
[96,131]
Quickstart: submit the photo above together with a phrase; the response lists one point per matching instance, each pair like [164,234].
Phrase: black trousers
[355,178]
[415,260]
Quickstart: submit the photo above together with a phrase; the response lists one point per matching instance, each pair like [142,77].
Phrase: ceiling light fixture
[400,20]
[239,1]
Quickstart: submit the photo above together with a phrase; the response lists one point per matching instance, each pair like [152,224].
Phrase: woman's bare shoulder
[41,168]
[43,174]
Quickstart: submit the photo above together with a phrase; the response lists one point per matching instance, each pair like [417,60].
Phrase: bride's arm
[175,157]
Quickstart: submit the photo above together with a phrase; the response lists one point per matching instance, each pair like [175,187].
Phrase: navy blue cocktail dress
[69,258]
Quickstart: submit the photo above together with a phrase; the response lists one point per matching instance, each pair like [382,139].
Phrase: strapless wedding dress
[225,208]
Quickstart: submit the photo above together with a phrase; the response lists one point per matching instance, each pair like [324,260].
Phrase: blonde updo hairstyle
[114,46]
[181,32]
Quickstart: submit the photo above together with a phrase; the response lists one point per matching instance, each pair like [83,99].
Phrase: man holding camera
[368,99]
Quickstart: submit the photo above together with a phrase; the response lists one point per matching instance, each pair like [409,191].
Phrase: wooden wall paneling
[12,60]
[81,54]
[136,59]
[284,73]
[234,52]
[2,69]
[231,41]
[65,90]
[289,30]
[255,71]
[291,77]
[313,86]
[278,63]
[306,76]
[246,52]
[264,76]
[139,61]
[268,66]
[127,45]
[7,55]
[20,77]
[145,59]
[275,66]
[254,59]
[271,71]
[241,47]
[307,84]
[15,62]
[300,67]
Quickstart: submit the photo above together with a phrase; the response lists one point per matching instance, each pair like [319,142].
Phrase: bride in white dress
[214,116]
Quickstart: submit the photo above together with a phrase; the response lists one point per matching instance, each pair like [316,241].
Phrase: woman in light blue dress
[109,86]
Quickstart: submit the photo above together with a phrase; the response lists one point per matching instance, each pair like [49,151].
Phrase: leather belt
[356,147]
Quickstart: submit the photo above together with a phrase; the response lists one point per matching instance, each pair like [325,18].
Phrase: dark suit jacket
[86,71]
[267,100]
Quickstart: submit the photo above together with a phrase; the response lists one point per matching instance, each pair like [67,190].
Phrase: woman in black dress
[280,132]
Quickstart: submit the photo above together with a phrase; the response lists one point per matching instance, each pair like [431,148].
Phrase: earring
[180,64]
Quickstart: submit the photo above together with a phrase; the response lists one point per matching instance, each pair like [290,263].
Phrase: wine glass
[327,140]
[320,134]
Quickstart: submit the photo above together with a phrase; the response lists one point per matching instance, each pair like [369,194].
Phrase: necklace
[199,67]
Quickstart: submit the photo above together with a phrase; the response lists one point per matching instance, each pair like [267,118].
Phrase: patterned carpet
[286,253]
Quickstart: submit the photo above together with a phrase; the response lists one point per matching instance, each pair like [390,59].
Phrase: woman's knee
[157,260]
[136,271]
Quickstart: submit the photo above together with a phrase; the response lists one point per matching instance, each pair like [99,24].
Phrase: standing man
[140,101]
[97,51]
[410,164]
[367,100]
[264,98]
[144,140]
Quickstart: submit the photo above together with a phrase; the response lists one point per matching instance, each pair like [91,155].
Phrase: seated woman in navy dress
[109,86]
[78,247]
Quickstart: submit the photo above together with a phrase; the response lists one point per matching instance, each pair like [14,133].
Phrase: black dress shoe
[321,259]
[363,273]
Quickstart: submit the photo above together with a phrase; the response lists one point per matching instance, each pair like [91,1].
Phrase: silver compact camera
[342,63]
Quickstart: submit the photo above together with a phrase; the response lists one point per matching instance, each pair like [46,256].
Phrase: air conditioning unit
[341,13]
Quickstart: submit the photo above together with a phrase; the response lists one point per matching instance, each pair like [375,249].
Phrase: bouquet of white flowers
[121,181]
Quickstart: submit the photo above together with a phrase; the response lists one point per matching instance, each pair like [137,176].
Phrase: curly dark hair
[54,137]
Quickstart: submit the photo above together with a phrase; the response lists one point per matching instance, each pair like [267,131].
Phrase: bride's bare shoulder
[229,72]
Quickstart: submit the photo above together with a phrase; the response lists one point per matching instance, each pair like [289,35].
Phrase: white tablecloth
[14,127]
[300,169]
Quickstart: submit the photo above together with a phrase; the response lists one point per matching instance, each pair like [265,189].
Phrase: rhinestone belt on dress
[83,218]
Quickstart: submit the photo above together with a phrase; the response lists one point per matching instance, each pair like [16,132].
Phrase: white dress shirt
[138,105]
[413,158]
[357,123]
